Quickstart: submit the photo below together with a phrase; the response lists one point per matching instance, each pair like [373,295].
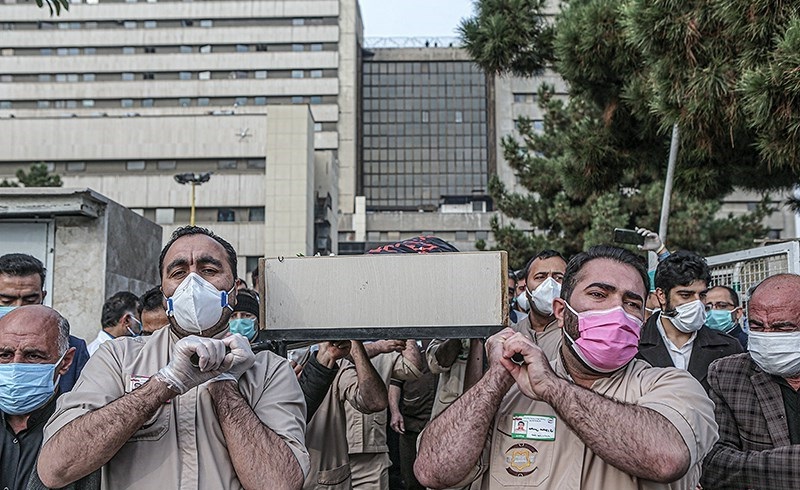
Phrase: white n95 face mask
[689,317]
[544,294]
[196,304]
[776,353]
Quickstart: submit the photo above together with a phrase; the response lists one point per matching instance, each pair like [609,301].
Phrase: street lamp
[193,180]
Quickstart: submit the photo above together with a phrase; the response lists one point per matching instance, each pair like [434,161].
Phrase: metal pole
[673,156]
[191,216]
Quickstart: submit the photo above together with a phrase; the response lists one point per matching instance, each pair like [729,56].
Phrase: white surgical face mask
[776,353]
[197,305]
[689,317]
[522,300]
[544,294]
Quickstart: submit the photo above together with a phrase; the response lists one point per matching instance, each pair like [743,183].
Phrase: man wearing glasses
[723,313]
[756,397]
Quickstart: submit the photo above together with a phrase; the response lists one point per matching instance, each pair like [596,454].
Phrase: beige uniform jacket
[451,379]
[326,437]
[549,339]
[566,463]
[366,433]
[182,446]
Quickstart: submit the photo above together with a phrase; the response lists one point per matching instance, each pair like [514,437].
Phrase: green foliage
[38,176]
[634,68]
[55,6]
[508,36]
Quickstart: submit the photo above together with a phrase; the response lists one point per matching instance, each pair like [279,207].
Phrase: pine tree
[38,176]
[600,161]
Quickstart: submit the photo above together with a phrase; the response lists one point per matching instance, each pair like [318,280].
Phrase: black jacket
[709,345]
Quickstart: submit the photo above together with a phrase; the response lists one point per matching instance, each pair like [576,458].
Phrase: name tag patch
[136,381]
[534,427]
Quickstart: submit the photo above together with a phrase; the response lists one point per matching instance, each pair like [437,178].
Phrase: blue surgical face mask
[25,387]
[243,326]
[721,320]
[4,310]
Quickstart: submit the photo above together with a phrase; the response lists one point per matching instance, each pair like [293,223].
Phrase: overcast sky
[413,18]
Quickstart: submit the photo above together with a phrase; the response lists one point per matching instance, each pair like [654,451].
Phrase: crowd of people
[606,377]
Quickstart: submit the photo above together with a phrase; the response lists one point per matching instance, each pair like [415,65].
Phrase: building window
[317,127]
[297,47]
[90,51]
[42,104]
[185,75]
[135,165]
[165,216]
[72,104]
[150,24]
[256,163]
[459,117]
[127,77]
[129,24]
[187,23]
[297,99]
[76,166]
[538,126]
[128,50]
[260,100]
[226,215]
[204,75]
[126,102]
[242,48]
[203,101]
[166,165]
[316,99]
[184,102]
[44,77]
[240,101]
[150,49]
[297,73]
[72,77]
[238,74]
[298,22]
[256,214]
[61,77]
[261,74]
[316,47]
[205,48]
[42,51]
[315,73]
[149,76]
[88,102]
[88,77]
[226,164]
[186,49]
[206,23]
[261,47]
[147,102]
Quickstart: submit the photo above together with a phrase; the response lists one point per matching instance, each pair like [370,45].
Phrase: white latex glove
[181,376]
[652,241]
[241,355]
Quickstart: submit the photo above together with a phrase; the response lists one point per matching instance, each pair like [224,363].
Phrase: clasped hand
[534,375]
[213,362]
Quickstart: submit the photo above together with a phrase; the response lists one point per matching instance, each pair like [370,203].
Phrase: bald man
[34,353]
[756,396]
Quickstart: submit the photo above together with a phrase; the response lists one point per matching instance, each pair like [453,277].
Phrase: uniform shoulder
[723,339]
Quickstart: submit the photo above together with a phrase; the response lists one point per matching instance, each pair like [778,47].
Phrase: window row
[424,90]
[174,75]
[157,165]
[439,103]
[169,49]
[416,80]
[426,180]
[402,159]
[169,216]
[167,23]
[401,142]
[417,67]
[167,102]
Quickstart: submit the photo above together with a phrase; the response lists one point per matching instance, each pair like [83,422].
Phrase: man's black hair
[117,306]
[151,300]
[20,265]
[544,255]
[731,292]
[197,230]
[681,268]
[616,254]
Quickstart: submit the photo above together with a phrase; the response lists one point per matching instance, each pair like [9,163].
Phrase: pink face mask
[609,339]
